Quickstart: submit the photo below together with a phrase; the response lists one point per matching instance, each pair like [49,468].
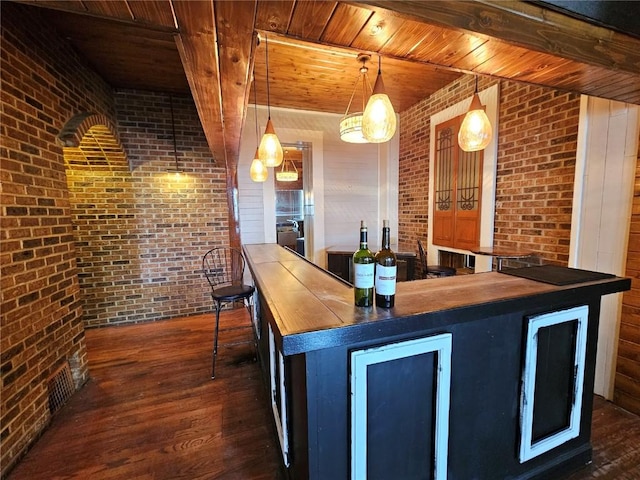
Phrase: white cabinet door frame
[277,376]
[529,448]
[362,359]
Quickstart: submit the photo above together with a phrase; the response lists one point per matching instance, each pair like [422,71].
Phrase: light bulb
[258,172]
[379,118]
[270,150]
[475,130]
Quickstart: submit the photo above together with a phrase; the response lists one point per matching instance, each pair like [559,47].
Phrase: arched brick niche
[75,129]
[99,149]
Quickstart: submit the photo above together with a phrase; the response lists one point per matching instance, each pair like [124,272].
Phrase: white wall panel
[603,194]
[250,194]
[351,193]
[350,182]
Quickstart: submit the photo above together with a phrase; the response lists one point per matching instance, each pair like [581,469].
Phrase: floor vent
[61,387]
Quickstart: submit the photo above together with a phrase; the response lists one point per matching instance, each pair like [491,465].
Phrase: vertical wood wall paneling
[627,380]
[250,193]
[351,192]
[602,208]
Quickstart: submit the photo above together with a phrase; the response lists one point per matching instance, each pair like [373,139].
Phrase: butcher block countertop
[313,310]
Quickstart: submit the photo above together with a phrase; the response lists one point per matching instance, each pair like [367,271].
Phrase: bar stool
[223,268]
[430,271]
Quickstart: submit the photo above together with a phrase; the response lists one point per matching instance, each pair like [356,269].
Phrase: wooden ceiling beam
[217,41]
[236,39]
[196,44]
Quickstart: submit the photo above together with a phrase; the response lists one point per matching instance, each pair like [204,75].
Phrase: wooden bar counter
[485,376]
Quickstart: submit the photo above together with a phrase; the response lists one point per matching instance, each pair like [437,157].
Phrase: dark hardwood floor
[151,411]
[615,437]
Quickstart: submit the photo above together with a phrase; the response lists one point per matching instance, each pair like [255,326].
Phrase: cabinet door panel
[400,421]
[340,264]
[279,396]
[553,396]
[443,229]
[552,380]
[391,438]
[467,230]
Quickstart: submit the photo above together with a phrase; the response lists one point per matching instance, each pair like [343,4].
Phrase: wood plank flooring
[151,411]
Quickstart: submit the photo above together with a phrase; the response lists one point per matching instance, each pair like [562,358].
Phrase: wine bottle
[363,271]
[386,271]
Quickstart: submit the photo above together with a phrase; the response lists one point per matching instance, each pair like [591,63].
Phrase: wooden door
[468,190]
[458,190]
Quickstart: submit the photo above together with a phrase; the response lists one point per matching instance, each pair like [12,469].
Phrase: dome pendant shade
[475,131]
[351,128]
[258,172]
[351,123]
[379,118]
[287,175]
[270,149]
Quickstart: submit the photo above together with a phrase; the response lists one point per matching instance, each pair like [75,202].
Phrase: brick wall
[537,135]
[537,146]
[110,233]
[141,231]
[44,84]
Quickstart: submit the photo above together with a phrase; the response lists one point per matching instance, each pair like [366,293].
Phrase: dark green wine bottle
[363,271]
[386,271]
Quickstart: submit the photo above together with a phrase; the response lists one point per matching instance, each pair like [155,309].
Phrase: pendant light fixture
[258,171]
[176,169]
[475,130]
[351,124]
[270,149]
[379,119]
[287,174]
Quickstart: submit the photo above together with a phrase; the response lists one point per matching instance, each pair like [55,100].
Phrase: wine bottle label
[363,275]
[386,280]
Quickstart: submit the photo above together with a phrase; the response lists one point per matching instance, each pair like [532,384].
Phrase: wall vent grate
[61,387]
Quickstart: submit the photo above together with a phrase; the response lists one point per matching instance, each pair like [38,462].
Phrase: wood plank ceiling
[208,48]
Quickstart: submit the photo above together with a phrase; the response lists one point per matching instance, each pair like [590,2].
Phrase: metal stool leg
[215,340]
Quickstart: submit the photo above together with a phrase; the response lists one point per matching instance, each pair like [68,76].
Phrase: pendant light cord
[255,106]
[173,128]
[266,49]
[362,74]
[365,83]
[353,94]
